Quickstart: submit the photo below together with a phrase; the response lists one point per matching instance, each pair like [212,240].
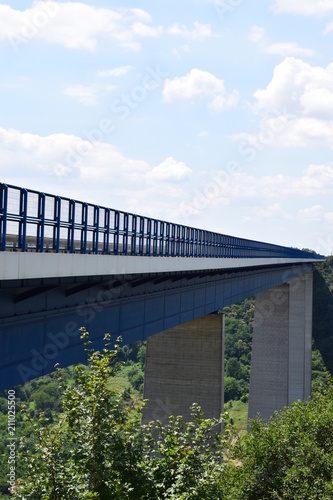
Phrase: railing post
[133,239]
[195,242]
[161,238]
[116,233]
[148,245]
[125,236]
[177,242]
[219,246]
[56,228]
[106,237]
[173,238]
[70,233]
[191,243]
[187,241]
[96,229]
[167,239]
[213,248]
[141,235]
[208,243]
[41,223]
[84,228]
[182,241]
[3,216]
[201,243]
[155,237]
[22,237]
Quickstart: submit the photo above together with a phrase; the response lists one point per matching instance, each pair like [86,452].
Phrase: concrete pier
[185,365]
[281,348]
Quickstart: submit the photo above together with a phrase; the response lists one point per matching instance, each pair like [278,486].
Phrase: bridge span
[66,264]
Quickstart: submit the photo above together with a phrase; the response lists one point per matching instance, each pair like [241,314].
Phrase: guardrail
[41,222]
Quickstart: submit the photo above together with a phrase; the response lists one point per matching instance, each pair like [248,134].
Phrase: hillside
[323,311]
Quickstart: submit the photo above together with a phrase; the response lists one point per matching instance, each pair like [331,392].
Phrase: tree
[291,457]
[47,397]
[231,390]
[96,449]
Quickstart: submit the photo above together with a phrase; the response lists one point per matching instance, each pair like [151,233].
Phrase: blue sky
[212,113]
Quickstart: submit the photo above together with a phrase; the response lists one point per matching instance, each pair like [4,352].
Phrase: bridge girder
[42,328]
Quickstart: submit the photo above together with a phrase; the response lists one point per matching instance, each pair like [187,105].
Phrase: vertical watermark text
[11,425]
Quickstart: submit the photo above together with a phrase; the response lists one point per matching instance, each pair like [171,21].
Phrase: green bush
[96,450]
[291,457]
[47,396]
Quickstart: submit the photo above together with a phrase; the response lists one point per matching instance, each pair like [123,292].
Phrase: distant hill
[323,311]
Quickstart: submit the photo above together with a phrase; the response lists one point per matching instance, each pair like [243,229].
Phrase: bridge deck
[26,265]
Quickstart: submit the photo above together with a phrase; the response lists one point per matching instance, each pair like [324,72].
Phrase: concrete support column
[281,347]
[185,365]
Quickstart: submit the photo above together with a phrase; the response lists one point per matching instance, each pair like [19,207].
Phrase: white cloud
[115,72]
[267,212]
[258,35]
[87,94]
[329,27]
[199,32]
[34,155]
[299,87]
[288,49]
[203,133]
[329,217]
[96,172]
[304,7]
[285,131]
[170,170]
[198,83]
[301,98]
[145,31]
[314,213]
[315,180]
[75,25]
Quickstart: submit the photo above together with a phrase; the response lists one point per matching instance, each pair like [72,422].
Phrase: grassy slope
[238,414]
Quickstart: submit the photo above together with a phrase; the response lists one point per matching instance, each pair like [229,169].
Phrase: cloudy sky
[213,113]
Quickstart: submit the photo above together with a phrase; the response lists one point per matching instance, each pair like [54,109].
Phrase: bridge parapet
[39,222]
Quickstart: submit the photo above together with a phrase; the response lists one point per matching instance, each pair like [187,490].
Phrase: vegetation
[291,457]
[97,450]
[238,345]
[323,311]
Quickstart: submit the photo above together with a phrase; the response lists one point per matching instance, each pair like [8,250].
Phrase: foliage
[132,353]
[45,394]
[135,376]
[292,456]
[187,461]
[319,372]
[323,311]
[96,449]
[47,397]
[238,345]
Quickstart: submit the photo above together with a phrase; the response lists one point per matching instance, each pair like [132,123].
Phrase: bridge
[66,264]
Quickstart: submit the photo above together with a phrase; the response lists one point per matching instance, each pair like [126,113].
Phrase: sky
[216,114]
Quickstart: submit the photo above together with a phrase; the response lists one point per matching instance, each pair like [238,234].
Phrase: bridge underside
[40,318]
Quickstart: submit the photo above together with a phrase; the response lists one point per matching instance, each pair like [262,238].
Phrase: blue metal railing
[40,222]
